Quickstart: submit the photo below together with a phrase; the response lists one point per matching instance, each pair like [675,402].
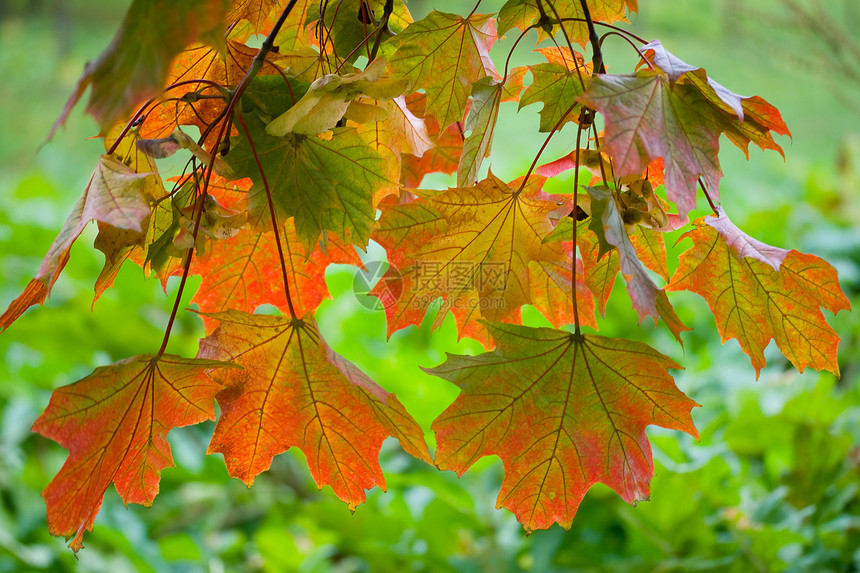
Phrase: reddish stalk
[275,225]
[708,197]
[575,222]
[545,143]
[236,94]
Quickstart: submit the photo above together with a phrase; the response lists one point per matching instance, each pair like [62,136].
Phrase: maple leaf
[754,302]
[295,391]
[444,54]
[198,67]
[675,112]
[116,196]
[327,185]
[647,298]
[525,13]
[244,272]
[479,248]
[114,423]
[563,411]
[557,84]
[134,65]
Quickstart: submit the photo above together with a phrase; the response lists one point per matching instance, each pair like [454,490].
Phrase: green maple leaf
[444,54]
[327,185]
[556,84]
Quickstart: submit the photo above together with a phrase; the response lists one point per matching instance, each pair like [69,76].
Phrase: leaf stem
[383,24]
[569,43]
[186,267]
[275,225]
[575,223]
[545,143]
[605,25]
[235,94]
[597,54]
[708,197]
[475,9]
[514,47]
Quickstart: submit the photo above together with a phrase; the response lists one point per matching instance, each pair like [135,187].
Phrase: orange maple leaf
[114,423]
[480,248]
[562,411]
[755,301]
[295,391]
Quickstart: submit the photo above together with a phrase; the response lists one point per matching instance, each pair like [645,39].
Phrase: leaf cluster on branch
[315,144]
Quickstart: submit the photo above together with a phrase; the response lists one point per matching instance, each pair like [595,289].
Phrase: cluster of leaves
[339,115]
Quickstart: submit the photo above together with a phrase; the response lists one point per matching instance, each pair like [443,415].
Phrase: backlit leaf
[524,13]
[327,185]
[116,196]
[135,64]
[479,248]
[444,54]
[114,423]
[754,303]
[295,391]
[563,412]
[244,272]
[677,113]
[556,84]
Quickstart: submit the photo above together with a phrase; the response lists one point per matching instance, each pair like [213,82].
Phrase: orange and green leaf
[478,248]
[563,412]
[295,391]
[755,303]
[244,272]
[114,423]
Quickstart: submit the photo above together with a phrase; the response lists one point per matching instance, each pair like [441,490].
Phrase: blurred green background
[772,485]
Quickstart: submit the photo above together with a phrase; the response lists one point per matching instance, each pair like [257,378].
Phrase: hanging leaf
[114,423]
[676,114]
[557,85]
[244,272]
[445,54]
[116,196]
[563,412]
[295,391]
[327,185]
[754,303]
[478,248]
[135,64]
